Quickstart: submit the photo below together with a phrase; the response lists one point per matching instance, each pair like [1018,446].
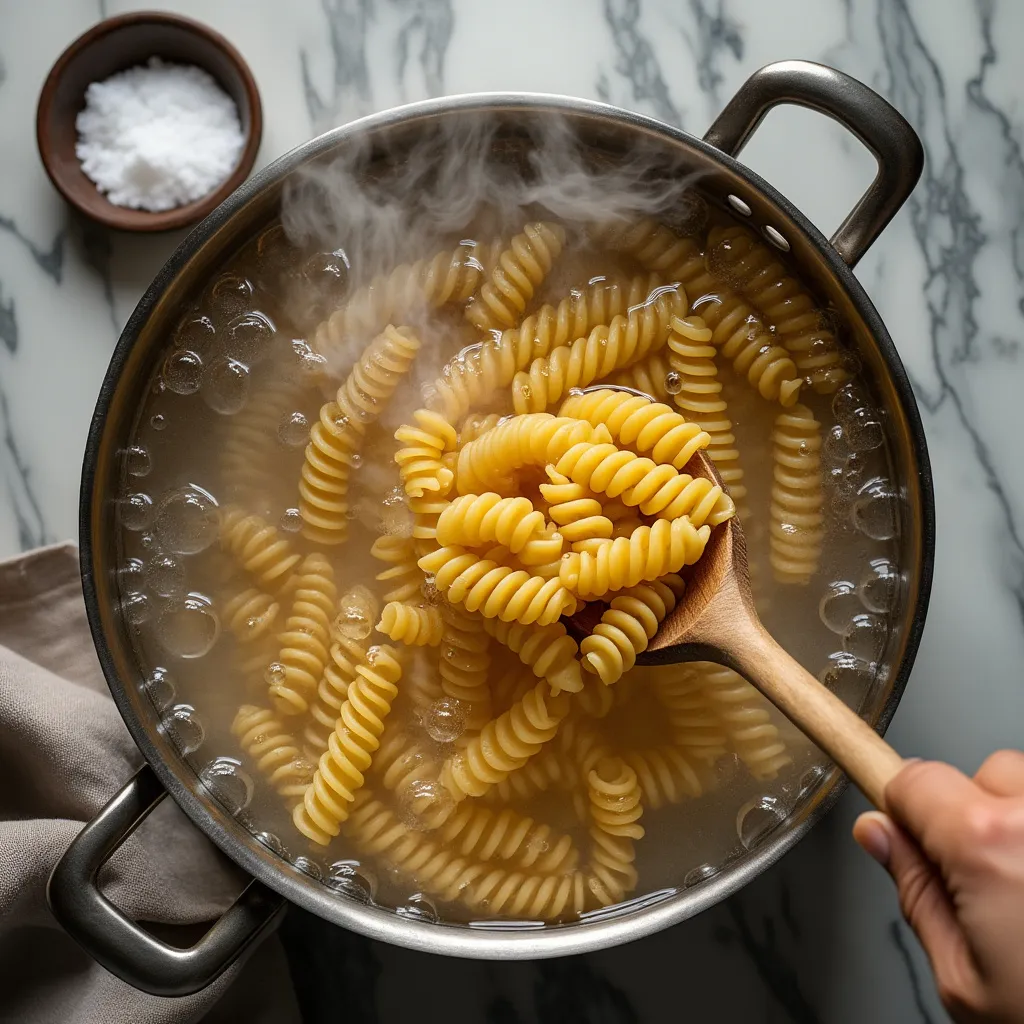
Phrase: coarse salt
[158,136]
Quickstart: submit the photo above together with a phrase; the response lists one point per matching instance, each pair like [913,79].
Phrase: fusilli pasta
[276,754]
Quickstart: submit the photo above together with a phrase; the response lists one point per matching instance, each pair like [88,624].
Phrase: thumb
[923,898]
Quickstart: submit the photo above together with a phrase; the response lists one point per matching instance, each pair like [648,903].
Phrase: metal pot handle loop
[117,942]
[874,121]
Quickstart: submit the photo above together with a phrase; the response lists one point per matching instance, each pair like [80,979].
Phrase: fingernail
[873,836]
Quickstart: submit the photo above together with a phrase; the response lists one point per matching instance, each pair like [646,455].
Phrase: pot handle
[878,124]
[117,942]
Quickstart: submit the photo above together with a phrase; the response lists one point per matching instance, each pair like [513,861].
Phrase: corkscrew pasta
[433,609]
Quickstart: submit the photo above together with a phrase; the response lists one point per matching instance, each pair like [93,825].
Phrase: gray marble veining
[818,938]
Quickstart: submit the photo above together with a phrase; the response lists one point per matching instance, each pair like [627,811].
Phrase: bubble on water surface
[418,907]
[231,294]
[424,803]
[129,575]
[850,678]
[275,674]
[846,401]
[159,684]
[196,334]
[158,422]
[353,879]
[188,627]
[187,520]
[865,637]
[184,729]
[757,819]
[839,605]
[248,336]
[137,608]
[673,382]
[293,430]
[290,521]
[271,842]
[874,511]
[229,783]
[308,866]
[165,575]
[699,874]
[444,720]
[183,372]
[135,511]
[879,586]
[357,611]
[137,460]
[864,431]
[225,387]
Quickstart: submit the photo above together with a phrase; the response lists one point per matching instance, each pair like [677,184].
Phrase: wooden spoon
[715,621]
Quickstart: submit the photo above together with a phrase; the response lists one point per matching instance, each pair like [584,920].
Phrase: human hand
[955,848]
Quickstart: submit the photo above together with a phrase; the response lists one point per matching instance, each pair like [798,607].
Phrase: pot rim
[378,923]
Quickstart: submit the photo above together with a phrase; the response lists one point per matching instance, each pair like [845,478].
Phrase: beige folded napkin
[64,752]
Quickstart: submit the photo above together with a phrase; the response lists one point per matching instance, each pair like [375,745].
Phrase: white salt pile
[158,136]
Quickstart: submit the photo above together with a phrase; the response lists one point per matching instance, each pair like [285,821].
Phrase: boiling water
[228,363]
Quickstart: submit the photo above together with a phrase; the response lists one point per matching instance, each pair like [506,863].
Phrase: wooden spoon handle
[865,757]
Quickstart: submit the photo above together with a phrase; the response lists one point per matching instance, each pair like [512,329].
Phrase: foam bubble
[248,337]
[444,720]
[137,460]
[184,728]
[183,371]
[186,520]
[165,575]
[135,511]
[225,386]
[879,586]
[159,684]
[839,605]
[757,819]
[188,627]
[293,430]
[231,786]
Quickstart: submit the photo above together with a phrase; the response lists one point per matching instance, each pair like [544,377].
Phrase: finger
[928,799]
[1002,773]
[923,898]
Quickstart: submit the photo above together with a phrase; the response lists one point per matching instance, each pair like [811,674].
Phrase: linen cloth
[64,752]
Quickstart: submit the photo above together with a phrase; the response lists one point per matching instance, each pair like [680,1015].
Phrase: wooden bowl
[115,45]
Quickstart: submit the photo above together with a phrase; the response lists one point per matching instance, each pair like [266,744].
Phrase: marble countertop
[819,937]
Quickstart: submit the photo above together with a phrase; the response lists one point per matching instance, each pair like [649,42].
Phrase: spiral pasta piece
[420,461]
[403,578]
[306,637]
[736,328]
[649,376]
[657,490]
[743,714]
[425,862]
[665,775]
[507,835]
[337,437]
[494,590]
[344,657]
[607,348]
[648,553]
[546,770]
[476,425]
[521,269]
[258,548]
[574,509]
[411,624]
[449,276]
[491,462]
[548,651]
[251,439]
[796,532]
[699,398]
[475,519]
[484,370]
[250,615]
[465,663]
[693,725]
[645,427]
[505,743]
[350,749]
[785,303]
[276,754]
[615,811]
[627,626]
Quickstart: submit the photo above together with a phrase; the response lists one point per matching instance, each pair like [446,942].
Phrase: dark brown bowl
[115,45]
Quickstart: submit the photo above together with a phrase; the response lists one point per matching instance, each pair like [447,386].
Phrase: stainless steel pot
[128,951]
